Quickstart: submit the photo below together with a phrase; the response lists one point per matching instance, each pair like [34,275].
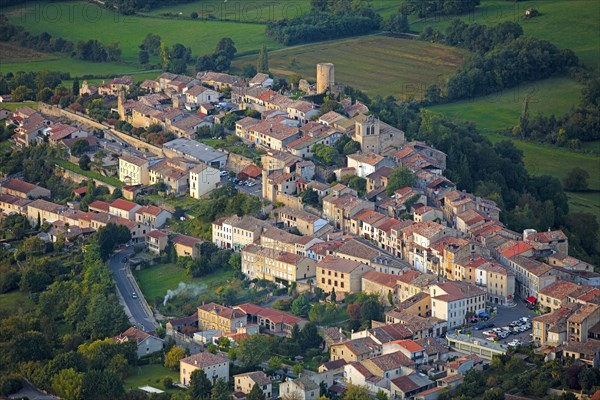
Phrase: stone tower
[121,105]
[325,77]
[367,133]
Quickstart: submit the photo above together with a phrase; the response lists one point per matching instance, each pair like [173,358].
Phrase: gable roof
[204,359]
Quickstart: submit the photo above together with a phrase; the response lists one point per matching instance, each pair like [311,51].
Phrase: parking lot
[255,190]
[503,318]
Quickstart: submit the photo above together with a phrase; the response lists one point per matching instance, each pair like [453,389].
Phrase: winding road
[135,308]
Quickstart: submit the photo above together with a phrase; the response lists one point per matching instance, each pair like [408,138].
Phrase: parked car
[515,343]
[503,335]
[223,173]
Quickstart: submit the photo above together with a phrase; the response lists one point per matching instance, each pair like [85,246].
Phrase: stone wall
[290,201]
[236,163]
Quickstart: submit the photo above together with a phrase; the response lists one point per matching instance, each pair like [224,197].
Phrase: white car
[515,343]
[525,319]
[223,173]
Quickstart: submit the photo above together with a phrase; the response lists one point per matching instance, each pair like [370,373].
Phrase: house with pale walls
[152,216]
[306,223]
[259,262]
[156,241]
[214,366]
[383,285]
[124,209]
[60,132]
[245,382]
[261,79]
[133,170]
[531,276]
[555,295]
[365,163]
[278,182]
[275,133]
[203,179]
[197,95]
[339,275]
[187,246]
[499,282]
[354,350]
[339,208]
[220,81]
[22,189]
[302,388]
[236,232]
[10,204]
[146,343]
[451,301]
[302,111]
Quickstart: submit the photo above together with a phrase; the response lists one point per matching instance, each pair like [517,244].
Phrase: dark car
[124,260]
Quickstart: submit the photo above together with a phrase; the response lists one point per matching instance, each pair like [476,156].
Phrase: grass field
[156,280]
[14,106]
[84,21]
[500,111]
[151,375]
[378,65]
[11,303]
[90,174]
[556,161]
[253,11]
[571,24]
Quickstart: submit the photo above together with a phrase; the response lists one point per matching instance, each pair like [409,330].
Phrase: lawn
[156,280]
[151,375]
[90,174]
[571,24]
[378,65]
[14,106]
[14,303]
[501,111]
[84,21]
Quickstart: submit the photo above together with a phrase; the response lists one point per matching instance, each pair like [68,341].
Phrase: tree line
[430,8]
[328,19]
[129,7]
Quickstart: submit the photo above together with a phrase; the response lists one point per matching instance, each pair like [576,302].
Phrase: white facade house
[451,301]
[203,179]
[200,94]
[214,366]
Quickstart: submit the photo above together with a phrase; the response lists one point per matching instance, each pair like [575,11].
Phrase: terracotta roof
[409,345]
[275,316]
[366,157]
[258,377]
[339,264]
[45,205]
[583,313]
[389,280]
[532,266]
[547,237]
[204,359]
[592,346]
[133,159]
[389,333]
[157,234]
[389,361]
[357,249]
[133,334]
[124,205]
[222,311]
[184,240]
[19,186]
[150,210]
[99,205]
[457,290]
[359,346]
[252,171]
[330,365]
[559,289]
[513,248]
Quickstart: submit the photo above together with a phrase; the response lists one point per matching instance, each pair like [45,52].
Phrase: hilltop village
[375,270]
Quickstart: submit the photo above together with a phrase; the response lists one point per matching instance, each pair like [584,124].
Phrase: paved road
[126,288]
[31,392]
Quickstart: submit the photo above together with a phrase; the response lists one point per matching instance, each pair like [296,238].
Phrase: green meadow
[570,24]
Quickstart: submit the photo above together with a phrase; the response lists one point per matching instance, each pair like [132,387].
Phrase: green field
[14,106]
[253,11]
[90,174]
[151,375]
[555,161]
[571,24]
[14,303]
[156,280]
[378,65]
[84,21]
[501,111]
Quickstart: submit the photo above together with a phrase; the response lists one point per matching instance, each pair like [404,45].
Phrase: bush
[9,385]
[167,382]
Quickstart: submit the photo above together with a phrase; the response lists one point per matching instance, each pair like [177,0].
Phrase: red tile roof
[124,205]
